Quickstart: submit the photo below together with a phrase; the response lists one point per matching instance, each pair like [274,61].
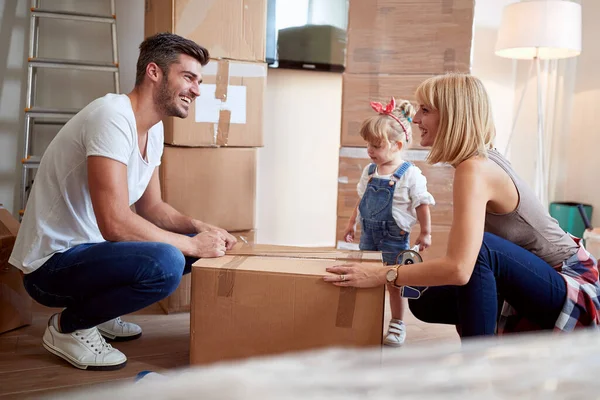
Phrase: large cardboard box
[234,29]
[214,185]
[229,110]
[15,303]
[409,36]
[180,300]
[439,183]
[244,306]
[359,90]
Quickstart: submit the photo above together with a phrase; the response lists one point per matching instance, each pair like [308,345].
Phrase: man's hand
[228,238]
[208,245]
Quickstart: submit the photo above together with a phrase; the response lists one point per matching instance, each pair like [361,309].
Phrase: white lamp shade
[550,29]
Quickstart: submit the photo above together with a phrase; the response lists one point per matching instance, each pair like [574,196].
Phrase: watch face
[409,257]
[391,275]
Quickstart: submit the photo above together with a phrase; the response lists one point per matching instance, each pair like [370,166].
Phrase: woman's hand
[357,275]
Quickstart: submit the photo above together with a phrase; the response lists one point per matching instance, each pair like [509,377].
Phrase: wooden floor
[27,370]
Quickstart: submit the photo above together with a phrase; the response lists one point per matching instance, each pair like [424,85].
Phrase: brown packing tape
[450,53]
[223,127]
[226,279]
[222,82]
[346,304]
[352,255]
[370,54]
[447,6]
[449,60]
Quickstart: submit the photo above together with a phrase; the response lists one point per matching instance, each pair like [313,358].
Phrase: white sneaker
[119,331]
[84,349]
[396,334]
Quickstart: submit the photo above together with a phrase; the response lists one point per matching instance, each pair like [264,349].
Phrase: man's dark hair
[164,49]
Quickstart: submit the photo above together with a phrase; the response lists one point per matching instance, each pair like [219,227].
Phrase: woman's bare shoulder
[473,165]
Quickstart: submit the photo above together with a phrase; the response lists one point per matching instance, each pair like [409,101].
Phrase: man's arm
[107,180]
[152,208]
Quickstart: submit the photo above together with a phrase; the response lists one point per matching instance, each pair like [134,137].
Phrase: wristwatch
[392,274]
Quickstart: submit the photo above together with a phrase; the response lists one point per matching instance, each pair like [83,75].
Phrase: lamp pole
[541,164]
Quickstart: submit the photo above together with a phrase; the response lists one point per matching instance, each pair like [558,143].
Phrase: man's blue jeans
[503,271]
[101,281]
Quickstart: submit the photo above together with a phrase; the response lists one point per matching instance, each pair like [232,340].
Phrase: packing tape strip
[447,6]
[222,82]
[223,127]
[226,278]
[346,304]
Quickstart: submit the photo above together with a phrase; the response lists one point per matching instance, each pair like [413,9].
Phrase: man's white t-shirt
[59,212]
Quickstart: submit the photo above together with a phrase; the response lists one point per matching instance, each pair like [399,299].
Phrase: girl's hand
[349,233]
[424,241]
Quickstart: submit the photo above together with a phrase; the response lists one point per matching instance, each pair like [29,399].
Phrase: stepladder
[37,115]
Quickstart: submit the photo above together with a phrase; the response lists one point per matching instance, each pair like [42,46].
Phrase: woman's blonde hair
[389,128]
[466,126]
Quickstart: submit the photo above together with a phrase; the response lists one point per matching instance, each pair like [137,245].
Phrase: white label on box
[246,70]
[343,179]
[208,107]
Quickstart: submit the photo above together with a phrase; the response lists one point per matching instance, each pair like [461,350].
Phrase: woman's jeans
[503,272]
[100,281]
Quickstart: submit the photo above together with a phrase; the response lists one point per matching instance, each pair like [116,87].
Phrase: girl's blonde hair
[466,126]
[384,127]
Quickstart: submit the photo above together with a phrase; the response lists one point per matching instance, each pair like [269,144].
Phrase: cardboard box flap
[269,250]
[279,265]
[9,227]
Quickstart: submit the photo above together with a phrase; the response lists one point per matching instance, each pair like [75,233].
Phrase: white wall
[57,88]
[497,74]
[298,166]
[583,164]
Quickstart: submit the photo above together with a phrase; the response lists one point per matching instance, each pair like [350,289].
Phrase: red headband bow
[388,110]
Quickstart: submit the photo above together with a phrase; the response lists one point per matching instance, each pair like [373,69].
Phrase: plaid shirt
[582,306]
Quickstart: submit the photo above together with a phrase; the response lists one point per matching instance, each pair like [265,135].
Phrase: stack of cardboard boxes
[15,303]
[394,45]
[208,169]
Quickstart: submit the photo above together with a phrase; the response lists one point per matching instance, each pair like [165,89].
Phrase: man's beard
[165,101]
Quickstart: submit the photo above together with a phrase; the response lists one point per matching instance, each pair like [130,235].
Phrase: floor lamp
[539,30]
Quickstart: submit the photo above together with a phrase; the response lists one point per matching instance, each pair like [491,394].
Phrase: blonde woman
[506,255]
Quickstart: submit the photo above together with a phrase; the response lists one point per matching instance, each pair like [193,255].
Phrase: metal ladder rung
[72,64]
[54,113]
[74,16]
[31,162]
[36,115]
